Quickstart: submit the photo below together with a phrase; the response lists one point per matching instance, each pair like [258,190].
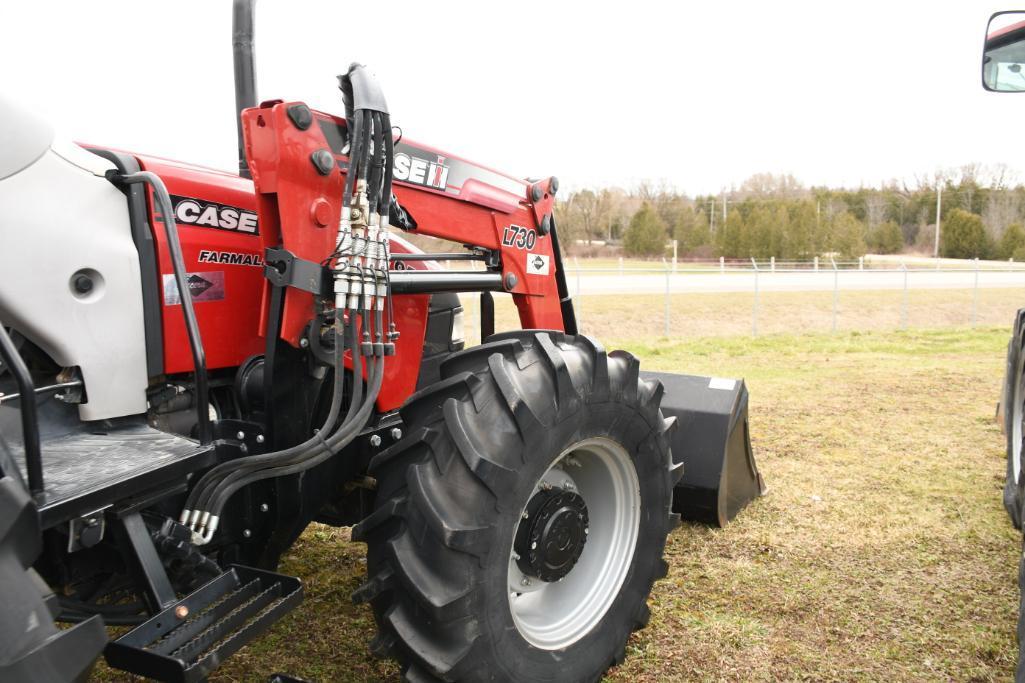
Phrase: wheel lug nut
[525,581]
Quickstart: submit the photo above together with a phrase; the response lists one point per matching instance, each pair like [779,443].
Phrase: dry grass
[695,316]
[882,551]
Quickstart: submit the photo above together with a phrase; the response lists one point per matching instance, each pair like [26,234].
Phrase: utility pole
[939,204]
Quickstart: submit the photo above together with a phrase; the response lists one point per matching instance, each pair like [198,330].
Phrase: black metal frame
[29,415]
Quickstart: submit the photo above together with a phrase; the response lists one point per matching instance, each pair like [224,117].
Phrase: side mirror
[1003,59]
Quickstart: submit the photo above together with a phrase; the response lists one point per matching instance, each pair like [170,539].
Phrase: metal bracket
[87,530]
[159,591]
[285,269]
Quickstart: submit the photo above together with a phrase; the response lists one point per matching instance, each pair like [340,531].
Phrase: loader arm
[448,197]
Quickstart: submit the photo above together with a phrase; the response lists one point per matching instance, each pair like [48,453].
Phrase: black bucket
[713,442]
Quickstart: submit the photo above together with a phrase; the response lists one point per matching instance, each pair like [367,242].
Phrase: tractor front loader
[209,362]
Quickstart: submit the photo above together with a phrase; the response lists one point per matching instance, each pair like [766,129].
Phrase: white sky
[701,95]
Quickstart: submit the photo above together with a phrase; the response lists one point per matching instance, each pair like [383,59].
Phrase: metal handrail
[29,415]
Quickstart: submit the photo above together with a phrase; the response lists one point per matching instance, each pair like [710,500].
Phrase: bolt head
[246,533]
[260,438]
[396,433]
[304,342]
[375,440]
[83,284]
[524,581]
[181,611]
[533,546]
[241,435]
[264,507]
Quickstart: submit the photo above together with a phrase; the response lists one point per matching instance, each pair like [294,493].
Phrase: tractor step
[191,638]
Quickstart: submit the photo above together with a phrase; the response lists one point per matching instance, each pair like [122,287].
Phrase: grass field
[881,552]
[699,315]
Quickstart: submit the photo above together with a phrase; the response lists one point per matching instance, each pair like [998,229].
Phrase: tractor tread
[444,495]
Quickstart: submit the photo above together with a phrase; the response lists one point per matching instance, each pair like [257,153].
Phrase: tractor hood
[24,137]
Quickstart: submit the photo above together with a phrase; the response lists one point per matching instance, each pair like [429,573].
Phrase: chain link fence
[635,299]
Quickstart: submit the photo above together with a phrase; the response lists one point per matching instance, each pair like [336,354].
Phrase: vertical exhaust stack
[245,71]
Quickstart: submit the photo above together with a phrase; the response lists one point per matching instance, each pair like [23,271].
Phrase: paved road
[809,281]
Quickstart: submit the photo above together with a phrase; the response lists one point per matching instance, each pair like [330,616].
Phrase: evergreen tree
[886,238]
[848,238]
[1011,241]
[646,234]
[962,235]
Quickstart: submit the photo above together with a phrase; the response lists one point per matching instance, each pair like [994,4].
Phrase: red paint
[299,209]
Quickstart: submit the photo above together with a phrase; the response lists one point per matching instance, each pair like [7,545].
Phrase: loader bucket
[719,474]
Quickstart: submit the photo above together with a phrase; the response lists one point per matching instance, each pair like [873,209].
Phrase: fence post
[666,315]
[861,263]
[816,264]
[836,290]
[904,299]
[772,264]
[576,264]
[620,266]
[675,244]
[722,265]
[754,311]
[975,294]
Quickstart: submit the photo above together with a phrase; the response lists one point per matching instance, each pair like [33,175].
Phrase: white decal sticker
[722,383]
[537,264]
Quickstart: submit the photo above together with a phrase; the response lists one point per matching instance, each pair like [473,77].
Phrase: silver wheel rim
[1016,415]
[552,616]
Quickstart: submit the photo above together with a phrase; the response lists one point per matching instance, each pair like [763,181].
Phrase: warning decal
[202,287]
[537,264]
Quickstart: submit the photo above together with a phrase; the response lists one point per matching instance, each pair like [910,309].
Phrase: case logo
[191,211]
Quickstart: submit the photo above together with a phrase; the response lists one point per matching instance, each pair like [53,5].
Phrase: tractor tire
[519,525]
[1013,406]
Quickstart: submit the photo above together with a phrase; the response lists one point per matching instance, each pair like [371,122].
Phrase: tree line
[774,215]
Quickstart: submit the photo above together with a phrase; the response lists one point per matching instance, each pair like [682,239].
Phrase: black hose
[335,443]
[355,149]
[376,174]
[297,454]
[201,493]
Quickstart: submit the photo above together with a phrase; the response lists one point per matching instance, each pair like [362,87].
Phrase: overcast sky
[700,95]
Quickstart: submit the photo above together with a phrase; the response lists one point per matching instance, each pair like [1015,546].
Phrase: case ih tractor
[209,362]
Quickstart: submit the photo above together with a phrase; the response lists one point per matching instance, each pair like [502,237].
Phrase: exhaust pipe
[245,71]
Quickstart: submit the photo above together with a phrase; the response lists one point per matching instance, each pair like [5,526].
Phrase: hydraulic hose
[202,491]
[295,454]
[361,292]
[337,441]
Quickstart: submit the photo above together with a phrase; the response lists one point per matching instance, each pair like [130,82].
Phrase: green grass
[881,552]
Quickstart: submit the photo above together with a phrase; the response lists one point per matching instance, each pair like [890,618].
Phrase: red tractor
[212,361]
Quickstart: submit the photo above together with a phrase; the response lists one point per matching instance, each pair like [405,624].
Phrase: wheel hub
[552,534]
